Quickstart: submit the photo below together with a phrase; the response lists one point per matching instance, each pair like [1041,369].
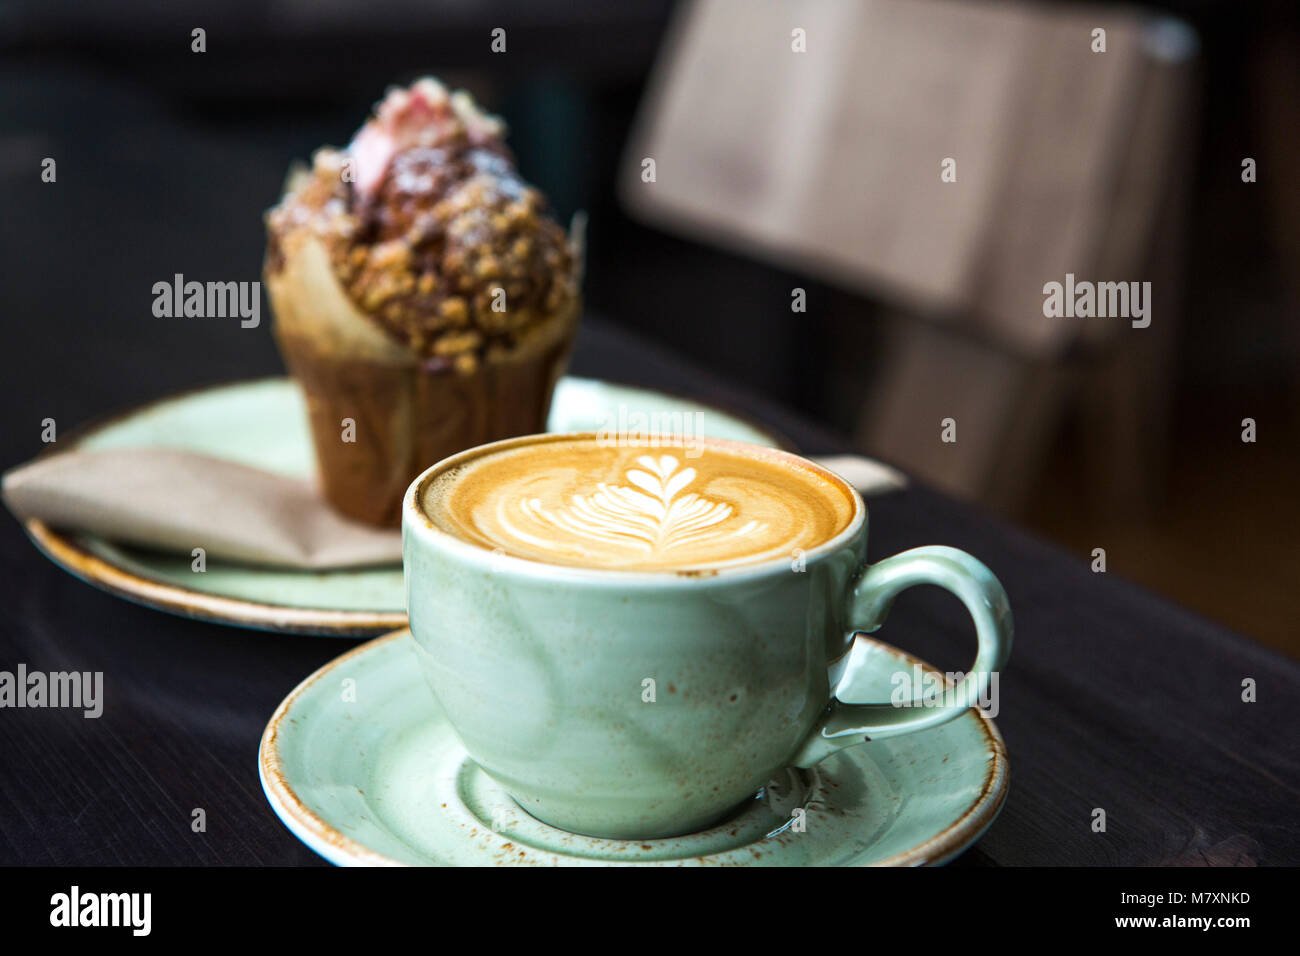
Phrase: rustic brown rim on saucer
[65,551]
[118,581]
[944,846]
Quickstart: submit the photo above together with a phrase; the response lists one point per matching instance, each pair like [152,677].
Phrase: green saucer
[370,773]
[264,424]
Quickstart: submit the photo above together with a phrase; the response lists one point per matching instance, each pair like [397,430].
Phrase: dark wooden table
[1114,699]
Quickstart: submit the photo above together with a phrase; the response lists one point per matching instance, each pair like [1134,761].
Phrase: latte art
[578,502]
[652,517]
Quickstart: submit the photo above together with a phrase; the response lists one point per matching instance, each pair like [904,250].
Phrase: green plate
[382,780]
[264,423]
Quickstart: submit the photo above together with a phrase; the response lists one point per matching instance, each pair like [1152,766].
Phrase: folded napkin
[176,500]
[868,476]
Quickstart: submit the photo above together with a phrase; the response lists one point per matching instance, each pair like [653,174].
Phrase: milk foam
[583,503]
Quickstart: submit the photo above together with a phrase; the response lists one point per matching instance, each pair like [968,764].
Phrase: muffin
[423,298]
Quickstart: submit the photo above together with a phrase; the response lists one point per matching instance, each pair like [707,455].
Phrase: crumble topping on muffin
[431,231]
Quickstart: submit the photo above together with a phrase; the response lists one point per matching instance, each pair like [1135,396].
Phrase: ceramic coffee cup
[644,704]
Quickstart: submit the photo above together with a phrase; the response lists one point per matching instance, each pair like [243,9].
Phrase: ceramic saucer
[370,773]
[264,423]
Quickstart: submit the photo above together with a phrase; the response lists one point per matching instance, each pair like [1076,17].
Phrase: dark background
[168,158]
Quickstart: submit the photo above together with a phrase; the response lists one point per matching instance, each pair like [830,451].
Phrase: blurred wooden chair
[829,160]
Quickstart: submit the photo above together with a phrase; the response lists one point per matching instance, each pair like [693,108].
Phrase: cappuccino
[580,502]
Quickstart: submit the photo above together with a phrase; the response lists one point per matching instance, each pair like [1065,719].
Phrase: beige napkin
[868,476]
[178,500]
[175,500]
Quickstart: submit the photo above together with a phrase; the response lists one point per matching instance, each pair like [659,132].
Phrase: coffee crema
[584,503]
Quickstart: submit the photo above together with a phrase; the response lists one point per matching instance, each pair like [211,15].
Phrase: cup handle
[872,595]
